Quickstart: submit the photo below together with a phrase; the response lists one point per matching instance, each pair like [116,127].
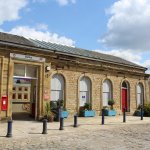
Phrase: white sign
[27,57]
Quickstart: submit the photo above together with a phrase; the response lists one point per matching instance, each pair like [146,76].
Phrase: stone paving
[89,135]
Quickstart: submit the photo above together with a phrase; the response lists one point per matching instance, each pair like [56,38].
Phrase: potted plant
[57,107]
[64,112]
[110,111]
[86,111]
[49,115]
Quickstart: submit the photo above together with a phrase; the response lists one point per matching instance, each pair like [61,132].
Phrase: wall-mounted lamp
[47,68]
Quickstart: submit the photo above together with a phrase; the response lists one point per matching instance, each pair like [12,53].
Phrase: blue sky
[117,27]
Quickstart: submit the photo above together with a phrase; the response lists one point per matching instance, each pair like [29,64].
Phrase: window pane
[19,70]
[84,98]
[138,99]
[85,84]
[57,82]
[124,85]
[56,95]
[31,71]
[106,97]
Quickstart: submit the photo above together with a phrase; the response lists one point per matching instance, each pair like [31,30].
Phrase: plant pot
[87,113]
[109,112]
[64,114]
[50,118]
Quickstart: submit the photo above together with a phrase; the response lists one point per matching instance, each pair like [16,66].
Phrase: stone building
[34,72]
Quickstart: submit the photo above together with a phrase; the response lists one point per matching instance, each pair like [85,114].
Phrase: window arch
[107,92]
[140,94]
[57,87]
[85,90]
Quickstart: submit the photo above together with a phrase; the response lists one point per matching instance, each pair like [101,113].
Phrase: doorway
[125,96]
[24,92]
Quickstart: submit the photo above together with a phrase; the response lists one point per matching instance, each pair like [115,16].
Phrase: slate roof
[82,52]
[78,52]
[5,37]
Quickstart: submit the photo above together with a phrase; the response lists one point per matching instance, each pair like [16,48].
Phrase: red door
[124,99]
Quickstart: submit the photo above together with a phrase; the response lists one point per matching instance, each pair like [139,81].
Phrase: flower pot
[88,113]
[50,118]
[109,112]
[64,114]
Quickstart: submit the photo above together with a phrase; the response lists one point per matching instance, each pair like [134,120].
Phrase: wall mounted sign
[46,95]
[27,57]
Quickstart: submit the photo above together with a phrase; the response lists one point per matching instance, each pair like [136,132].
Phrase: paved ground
[90,135]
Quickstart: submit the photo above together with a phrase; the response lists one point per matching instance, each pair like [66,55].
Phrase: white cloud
[42,35]
[66,2]
[129,25]
[9,9]
[42,26]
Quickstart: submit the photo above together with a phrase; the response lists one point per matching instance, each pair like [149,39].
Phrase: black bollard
[9,129]
[61,123]
[124,114]
[44,126]
[75,121]
[103,116]
[141,112]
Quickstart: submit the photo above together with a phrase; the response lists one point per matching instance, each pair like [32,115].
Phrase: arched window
[57,87]
[140,94]
[107,92]
[85,90]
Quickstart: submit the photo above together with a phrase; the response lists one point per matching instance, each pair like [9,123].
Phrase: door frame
[128,95]
[40,82]
[19,77]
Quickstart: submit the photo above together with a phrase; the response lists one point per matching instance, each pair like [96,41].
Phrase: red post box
[4,103]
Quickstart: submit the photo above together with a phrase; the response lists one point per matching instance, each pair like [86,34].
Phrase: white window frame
[107,93]
[140,94]
[60,91]
[85,89]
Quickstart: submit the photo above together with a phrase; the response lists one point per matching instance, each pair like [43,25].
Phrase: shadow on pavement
[22,117]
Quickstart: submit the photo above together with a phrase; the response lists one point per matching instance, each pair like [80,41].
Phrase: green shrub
[111,102]
[147,109]
[53,104]
[87,106]
[60,103]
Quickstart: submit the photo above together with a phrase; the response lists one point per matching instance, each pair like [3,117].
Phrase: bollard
[124,114]
[9,129]
[75,121]
[61,123]
[141,112]
[103,117]
[44,126]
